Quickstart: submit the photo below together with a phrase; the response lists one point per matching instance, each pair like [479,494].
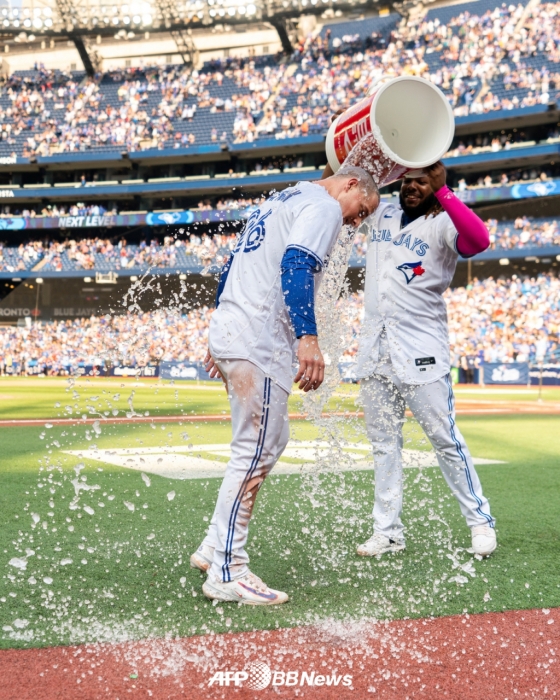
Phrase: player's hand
[437,175]
[212,368]
[311,370]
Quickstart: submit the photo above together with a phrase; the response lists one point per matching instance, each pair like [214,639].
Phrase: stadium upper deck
[162,138]
[485,55]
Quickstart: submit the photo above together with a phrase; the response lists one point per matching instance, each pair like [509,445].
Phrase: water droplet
[171,495]
[89,509]
[48,580]
[65,562]
[146,479]
[129,505]
[18,563]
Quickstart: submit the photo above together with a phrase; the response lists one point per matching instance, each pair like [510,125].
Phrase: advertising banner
[132,371]
[511,373]
[183,370]
[550,375]
[166,218]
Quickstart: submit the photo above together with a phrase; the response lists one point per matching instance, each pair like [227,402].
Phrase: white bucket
[410,124]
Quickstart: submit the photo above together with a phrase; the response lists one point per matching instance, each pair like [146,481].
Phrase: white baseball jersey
[252,321]
[407,271]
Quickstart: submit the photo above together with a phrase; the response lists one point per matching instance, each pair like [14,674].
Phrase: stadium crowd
[494,320]
[482,63]
[100,253]
[204,249]
[82,209]
[134,339]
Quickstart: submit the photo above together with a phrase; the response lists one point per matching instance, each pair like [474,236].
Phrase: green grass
[50,397]
[137,581]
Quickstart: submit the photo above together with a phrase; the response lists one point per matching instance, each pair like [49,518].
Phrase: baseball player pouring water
[265,303]
[404,349]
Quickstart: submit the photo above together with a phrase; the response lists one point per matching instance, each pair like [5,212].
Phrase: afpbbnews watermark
[257,676]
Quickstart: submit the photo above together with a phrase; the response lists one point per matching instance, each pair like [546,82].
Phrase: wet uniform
[252,341]
[403,359]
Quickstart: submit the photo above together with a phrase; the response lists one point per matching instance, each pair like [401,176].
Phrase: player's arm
[472,235]
[298,268]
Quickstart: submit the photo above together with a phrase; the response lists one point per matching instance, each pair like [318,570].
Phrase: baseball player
[403,355]
[265,302]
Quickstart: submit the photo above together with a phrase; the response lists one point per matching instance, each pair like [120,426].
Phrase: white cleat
[248,589]
[483,540]
[202,558]
[379,544]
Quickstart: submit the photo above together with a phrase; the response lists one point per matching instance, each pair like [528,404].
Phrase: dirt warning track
[493,655]
[464,408]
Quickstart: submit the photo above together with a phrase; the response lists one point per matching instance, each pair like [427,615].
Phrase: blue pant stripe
[226,575]
[462,455]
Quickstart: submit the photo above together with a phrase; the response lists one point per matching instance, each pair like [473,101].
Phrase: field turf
[46,397]
[118,568]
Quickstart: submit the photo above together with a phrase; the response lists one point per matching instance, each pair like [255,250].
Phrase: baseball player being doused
[265,314]
[403,353]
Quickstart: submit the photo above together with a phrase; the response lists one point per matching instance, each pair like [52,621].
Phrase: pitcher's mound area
[506,656]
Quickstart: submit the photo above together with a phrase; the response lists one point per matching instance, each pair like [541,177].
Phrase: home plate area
[207,461]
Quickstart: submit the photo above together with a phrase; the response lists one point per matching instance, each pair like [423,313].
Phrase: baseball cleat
[483,540]
[379,544]
[202,558]
[248,589]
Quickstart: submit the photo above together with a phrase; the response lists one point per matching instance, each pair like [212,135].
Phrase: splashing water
[330,492]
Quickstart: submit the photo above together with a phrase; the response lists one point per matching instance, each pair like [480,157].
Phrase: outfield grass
[118,573]
[52,397]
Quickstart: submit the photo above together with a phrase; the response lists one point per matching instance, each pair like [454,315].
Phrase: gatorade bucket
[410,126]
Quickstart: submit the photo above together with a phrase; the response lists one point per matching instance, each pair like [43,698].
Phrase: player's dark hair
[435,207]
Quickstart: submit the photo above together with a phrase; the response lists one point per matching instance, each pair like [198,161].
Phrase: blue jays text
[414,244]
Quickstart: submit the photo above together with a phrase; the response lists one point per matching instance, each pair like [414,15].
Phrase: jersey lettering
[380,235]
[418,244]
[284,196]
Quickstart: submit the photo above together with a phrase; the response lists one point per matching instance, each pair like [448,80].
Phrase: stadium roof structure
[77,19]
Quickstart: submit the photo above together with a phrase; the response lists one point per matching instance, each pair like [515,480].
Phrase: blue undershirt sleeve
[298,286]
[223,277]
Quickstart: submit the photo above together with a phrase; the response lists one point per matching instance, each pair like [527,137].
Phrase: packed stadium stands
[476,52]
[135,339]
[196,250]
[495,320]
[157,158]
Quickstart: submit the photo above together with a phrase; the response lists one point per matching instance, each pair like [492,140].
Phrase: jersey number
[253,233]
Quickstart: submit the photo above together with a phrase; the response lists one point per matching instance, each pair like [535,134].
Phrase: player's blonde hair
[364,178]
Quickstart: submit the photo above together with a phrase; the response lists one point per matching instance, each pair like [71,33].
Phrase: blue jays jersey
[252,322]
[407,271]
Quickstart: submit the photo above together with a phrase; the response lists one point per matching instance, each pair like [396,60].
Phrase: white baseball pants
[433,405]
[260,432]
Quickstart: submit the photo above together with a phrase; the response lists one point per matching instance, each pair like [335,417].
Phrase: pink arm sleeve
[473,235]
